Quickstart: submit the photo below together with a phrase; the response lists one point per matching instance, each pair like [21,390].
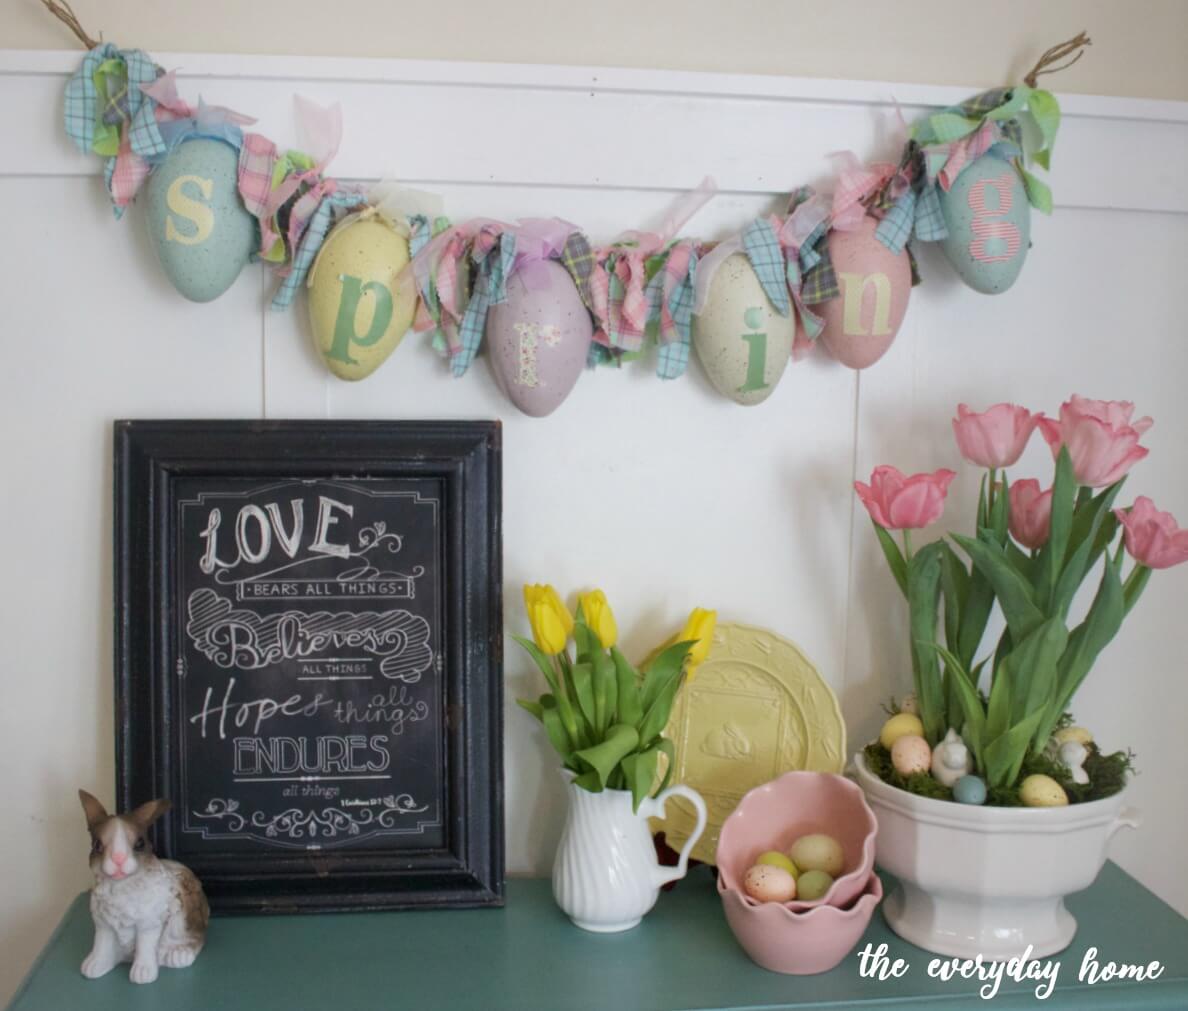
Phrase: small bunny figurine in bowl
[148,911]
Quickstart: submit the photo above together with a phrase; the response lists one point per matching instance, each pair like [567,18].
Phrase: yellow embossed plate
[756,708]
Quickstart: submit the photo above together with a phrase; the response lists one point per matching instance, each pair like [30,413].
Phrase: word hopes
[875,963]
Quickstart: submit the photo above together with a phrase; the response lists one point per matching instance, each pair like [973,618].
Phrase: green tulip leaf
[667,749]
[1014,593]
[582,678]
[627,682]
[1005,754]
[661,671]
[923,596]
[656,717]
[603,758]
[640,772]
[559,738]
[895,559]
[543,661]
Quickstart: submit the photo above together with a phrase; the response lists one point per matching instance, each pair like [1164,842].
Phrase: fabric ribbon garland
[492,254]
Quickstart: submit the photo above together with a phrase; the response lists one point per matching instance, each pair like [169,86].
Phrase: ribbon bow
[293,182]
[108,113]
[856,185]
[810,276]
[493,255]
[441,276]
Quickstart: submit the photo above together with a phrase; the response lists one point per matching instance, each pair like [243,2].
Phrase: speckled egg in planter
[743,343]
[200,229]
[361,299]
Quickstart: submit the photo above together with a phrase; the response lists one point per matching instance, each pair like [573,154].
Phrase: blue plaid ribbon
[311,243]
[763,249]
[492,269]
[672,357]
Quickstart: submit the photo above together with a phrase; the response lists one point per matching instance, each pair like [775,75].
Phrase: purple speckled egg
[538,337]
[862,321]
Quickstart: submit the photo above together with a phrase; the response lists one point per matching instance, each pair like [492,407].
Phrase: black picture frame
[459,862]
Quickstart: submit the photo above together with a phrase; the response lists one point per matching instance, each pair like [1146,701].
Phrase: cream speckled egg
[897,726]
[818,852]
[742,342]
[1042,791]
[1078,734]
[764,883]
[910,754]
[360,307]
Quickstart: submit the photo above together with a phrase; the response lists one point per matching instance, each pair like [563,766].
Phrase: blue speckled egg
[969,790]
[989,223]
[201,231]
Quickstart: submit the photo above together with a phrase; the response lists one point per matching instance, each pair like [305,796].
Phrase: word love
[876,963]
[257,528]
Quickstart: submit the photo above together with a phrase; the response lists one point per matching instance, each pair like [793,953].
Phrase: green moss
[1107,775]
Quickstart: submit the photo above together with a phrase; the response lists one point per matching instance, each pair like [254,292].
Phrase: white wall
[1138,46]
[666,495]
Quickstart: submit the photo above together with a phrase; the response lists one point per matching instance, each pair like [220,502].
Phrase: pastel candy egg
[539,337]
[989,223]
[1039,790]
[969,790]
[764,883]
[910,754]
[774,858]
[813,885]
[875,284]
[202,234]
[360,305]
[897,726]
[743,343]
[818,852]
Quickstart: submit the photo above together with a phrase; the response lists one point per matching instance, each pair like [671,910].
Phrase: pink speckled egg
[765,883]
[875,283]
[538,338]
[911,754]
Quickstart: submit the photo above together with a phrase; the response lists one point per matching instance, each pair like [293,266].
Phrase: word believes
[875,963]
[255,529]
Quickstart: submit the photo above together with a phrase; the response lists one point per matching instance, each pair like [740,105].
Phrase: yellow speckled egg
[897,726]
[765,883]
[1078,734]
[910,754]
[1042,791]
[743,343]
[358,309]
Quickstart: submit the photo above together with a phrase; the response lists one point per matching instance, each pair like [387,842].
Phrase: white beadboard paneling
[664,494]
[94,333]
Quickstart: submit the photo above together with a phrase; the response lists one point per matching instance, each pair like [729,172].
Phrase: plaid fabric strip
[577,257]
[627,303]
[896,227]
[311,243]
[493,255]
[767,260]
[670,302]
[987,101]
[256,159]
[120,122]
[929,219]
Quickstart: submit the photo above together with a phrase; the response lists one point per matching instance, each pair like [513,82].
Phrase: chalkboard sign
[308,657]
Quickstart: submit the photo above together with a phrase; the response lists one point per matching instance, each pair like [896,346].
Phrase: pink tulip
[1153,538]
[1101,438]
[995,438]
[1031,513]
[896,502]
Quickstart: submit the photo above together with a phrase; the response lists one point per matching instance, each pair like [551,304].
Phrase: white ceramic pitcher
[606,875]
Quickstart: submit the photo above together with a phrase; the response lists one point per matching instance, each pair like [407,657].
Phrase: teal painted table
[527,956]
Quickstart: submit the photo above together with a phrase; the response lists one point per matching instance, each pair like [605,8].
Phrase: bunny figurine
[147,911]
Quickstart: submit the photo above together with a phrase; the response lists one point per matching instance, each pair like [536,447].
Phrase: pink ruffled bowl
[800,937]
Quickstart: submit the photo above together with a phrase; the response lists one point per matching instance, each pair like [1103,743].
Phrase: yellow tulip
[699,630]
[550,619]
[599,617]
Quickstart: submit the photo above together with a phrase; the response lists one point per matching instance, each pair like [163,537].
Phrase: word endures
[876,963]
[286,756]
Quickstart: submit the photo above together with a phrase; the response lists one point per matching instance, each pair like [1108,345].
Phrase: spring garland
[219,197]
